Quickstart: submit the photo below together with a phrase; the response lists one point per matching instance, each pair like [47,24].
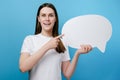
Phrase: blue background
[17,20]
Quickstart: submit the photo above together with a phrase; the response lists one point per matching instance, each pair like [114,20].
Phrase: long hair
[60,48]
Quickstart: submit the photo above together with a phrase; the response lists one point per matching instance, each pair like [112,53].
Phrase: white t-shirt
[49,66]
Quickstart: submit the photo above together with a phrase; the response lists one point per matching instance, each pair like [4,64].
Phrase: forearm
[71,67]
[28,63]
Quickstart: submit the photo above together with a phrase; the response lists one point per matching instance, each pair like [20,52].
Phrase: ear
[55,20]
[38,17]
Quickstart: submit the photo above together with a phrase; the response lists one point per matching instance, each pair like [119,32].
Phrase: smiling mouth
[46,23]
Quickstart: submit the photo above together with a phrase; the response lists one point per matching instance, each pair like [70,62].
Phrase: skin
[47,19]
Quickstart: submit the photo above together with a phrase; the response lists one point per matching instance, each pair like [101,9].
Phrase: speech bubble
[95,30]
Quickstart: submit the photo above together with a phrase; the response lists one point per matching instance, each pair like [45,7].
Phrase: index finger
[60,36]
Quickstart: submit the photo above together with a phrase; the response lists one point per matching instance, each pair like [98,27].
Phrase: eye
[51,15]
[43,15]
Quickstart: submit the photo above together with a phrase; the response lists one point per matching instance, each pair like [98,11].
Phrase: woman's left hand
[84,49]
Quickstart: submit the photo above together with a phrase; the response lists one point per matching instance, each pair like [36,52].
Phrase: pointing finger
[60,36]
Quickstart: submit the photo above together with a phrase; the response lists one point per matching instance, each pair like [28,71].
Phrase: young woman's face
[47,18]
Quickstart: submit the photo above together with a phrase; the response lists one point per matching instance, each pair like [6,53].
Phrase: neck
[48,34]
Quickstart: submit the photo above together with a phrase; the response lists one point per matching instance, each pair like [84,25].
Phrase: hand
[84,49]
[53,43]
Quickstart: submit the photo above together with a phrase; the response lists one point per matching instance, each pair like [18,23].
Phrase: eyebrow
[47,13]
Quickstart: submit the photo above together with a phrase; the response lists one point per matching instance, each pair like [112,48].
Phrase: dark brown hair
[60,48]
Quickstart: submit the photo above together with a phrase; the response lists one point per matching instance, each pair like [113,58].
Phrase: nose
[47,17]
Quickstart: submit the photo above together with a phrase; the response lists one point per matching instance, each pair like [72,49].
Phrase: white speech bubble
[95,30]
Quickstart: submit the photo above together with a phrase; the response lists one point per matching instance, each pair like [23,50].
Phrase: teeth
[46,23]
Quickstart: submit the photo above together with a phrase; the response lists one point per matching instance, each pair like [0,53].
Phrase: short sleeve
[27,45]
[65,55]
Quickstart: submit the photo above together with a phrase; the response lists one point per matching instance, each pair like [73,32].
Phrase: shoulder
[32,38]
[29,37]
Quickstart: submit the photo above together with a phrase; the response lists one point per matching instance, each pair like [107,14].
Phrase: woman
[44,54]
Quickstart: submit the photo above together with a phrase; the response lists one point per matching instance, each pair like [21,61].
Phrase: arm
[27,61]
[67,67]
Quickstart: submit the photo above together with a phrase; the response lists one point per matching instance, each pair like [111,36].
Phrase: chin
[48,29]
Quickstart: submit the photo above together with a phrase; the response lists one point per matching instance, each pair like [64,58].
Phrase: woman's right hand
[53,43]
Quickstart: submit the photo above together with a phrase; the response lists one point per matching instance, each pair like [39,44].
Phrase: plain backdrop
[17,20]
